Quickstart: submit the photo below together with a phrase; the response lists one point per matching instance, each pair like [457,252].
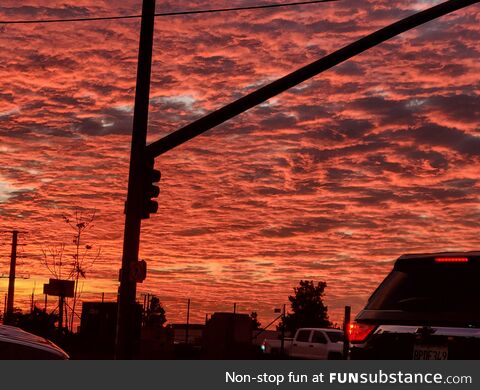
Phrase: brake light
[358,332]
[451,259]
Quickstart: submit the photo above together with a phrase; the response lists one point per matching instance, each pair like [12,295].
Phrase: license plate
[430,352]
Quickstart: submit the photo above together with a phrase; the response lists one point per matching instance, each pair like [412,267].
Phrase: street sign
[59,288]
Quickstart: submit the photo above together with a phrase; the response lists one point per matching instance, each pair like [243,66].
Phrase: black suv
[427,308]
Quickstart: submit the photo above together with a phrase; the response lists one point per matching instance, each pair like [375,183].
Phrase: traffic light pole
[125,342]
[126,321]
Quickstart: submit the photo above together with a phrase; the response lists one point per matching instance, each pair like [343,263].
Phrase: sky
[329,181]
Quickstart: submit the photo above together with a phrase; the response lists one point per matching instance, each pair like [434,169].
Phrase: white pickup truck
[309,343]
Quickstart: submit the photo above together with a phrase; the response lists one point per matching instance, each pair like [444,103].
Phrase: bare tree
[53,259]
[83,259]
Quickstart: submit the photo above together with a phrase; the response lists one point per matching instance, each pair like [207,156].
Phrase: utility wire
[175,13]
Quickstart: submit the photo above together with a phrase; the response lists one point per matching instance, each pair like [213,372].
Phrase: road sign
[59,288]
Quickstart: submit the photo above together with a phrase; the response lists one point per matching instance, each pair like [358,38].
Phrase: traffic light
[150,176]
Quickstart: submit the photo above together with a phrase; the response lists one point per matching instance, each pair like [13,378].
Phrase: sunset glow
[330,181]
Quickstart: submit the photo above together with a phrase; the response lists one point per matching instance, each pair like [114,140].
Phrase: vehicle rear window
[437,288]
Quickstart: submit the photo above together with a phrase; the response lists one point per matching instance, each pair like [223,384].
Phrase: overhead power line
[174,13]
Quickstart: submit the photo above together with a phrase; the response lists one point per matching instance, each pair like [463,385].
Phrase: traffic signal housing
[150,190]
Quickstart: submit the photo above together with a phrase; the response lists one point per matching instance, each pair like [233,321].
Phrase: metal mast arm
[261,95]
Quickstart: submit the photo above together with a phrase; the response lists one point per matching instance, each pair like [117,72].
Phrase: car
[16,344]
[317,343]
[309,343]
[427,308]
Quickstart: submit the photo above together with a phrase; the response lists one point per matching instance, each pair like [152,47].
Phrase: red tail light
[451,259]
[358,332]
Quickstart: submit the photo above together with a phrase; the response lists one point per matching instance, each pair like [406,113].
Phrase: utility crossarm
[259,96]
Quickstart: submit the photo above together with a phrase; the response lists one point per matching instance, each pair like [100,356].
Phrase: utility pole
[346,338]
[144,312]
[282,344]
[11,279]
[125,338]
[32,302]
[188,321]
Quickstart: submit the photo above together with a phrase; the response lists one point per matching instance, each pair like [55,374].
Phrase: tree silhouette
[38,322]
[255,323]
[308,309]
[156,313]
[53,259]
[80,222]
